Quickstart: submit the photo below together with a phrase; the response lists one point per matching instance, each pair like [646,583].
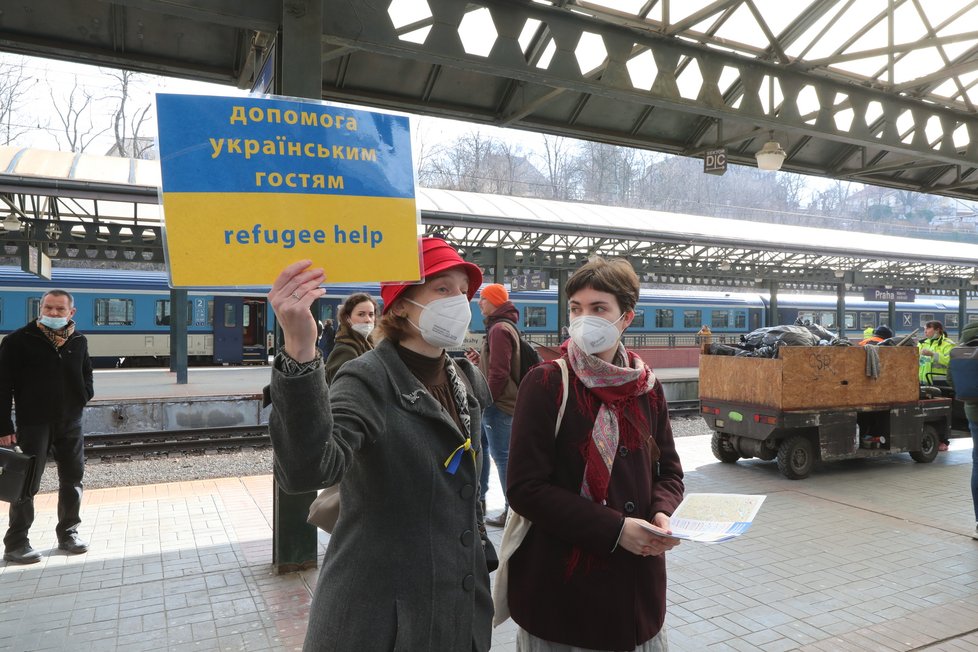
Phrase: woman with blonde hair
[599,489]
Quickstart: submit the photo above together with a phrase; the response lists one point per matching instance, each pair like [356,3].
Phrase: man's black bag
[529,357]
[16,475]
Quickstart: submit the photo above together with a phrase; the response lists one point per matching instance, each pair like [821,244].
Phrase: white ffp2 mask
[594,334]
[444,322]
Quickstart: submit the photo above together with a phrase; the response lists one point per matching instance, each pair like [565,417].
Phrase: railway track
[224,438]
[180,441]
[687,408]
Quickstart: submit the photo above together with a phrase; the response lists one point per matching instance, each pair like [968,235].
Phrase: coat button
[622,451]
[466,538]
[468,583]
[629,507]
[467,491]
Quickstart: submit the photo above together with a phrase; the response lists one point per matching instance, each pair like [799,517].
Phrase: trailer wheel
[796,458]
[929,442]
[723,450]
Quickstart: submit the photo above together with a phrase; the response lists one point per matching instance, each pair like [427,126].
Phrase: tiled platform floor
[863,555]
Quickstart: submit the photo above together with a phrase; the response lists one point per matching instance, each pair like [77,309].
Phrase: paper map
[713,518]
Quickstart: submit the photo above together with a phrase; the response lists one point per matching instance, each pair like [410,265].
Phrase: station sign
[715,161]
[884,294]
[530,281]
[253,184]
[36,262]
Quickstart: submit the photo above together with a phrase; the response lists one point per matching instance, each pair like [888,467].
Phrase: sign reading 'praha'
[884,294]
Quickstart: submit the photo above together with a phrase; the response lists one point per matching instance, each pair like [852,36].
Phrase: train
[126,315]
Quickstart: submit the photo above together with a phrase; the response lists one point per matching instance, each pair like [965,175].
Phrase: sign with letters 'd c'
[715,161]
[253,184]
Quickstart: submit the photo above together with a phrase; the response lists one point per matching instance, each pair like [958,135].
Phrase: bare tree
[13,85]
[127,120]
[75,115]
[559,165]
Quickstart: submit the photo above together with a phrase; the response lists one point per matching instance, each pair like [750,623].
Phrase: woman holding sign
[591,573]
[399,430]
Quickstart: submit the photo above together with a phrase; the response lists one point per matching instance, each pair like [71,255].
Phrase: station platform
[872,554]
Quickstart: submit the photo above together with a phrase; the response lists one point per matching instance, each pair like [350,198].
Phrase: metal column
[840,308]
[299,74]
[178,334]
[962,312]
[772,306]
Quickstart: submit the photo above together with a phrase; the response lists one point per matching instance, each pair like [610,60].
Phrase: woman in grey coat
[398,428]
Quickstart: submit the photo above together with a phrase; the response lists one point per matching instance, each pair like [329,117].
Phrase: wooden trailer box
[811,377]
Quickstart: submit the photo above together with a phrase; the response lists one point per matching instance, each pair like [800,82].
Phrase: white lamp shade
[11,223]
[771,156]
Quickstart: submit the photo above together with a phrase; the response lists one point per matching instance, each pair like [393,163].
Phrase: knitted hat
[495,294]
[884,332]
[436,256]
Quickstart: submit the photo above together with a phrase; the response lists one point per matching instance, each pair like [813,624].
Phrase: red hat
[436,257]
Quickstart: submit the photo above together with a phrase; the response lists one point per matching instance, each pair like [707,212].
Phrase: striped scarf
[460,396]
[57,337]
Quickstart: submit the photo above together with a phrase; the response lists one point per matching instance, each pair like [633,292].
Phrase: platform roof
[877,91]
[84,206]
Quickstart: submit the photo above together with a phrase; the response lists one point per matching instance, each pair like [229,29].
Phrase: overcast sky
[47,77]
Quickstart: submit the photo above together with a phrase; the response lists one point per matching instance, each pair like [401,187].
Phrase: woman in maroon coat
[590,575]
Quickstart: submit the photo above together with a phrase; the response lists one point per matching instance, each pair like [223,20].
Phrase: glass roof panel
[742,27]
[916,64]
[962,24]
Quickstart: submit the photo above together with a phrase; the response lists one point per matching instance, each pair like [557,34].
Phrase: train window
[210,312]
[850,320]
[692,318]
[950,320]
[114,312]
[925,317]
[229,320]
[534,316]
[972,317]
[867,319]
[325,311]
[33,308]
[740,320]
[639,321]
[826,319]
[664,318]
[806,316]
[163,312]
[720,319]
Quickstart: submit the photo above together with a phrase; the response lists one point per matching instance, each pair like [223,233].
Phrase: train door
[329,309]
[228,333]
[253,348]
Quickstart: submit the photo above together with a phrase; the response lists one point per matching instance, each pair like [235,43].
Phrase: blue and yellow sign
[251,185]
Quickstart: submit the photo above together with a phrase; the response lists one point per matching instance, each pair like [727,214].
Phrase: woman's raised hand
[291,296]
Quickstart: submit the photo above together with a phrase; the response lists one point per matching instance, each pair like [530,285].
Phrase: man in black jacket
[45,369]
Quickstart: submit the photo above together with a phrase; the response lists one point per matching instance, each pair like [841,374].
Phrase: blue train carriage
[125,314]
[662,317]
[821,309]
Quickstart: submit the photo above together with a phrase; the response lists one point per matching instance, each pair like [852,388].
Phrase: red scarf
[618,389]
